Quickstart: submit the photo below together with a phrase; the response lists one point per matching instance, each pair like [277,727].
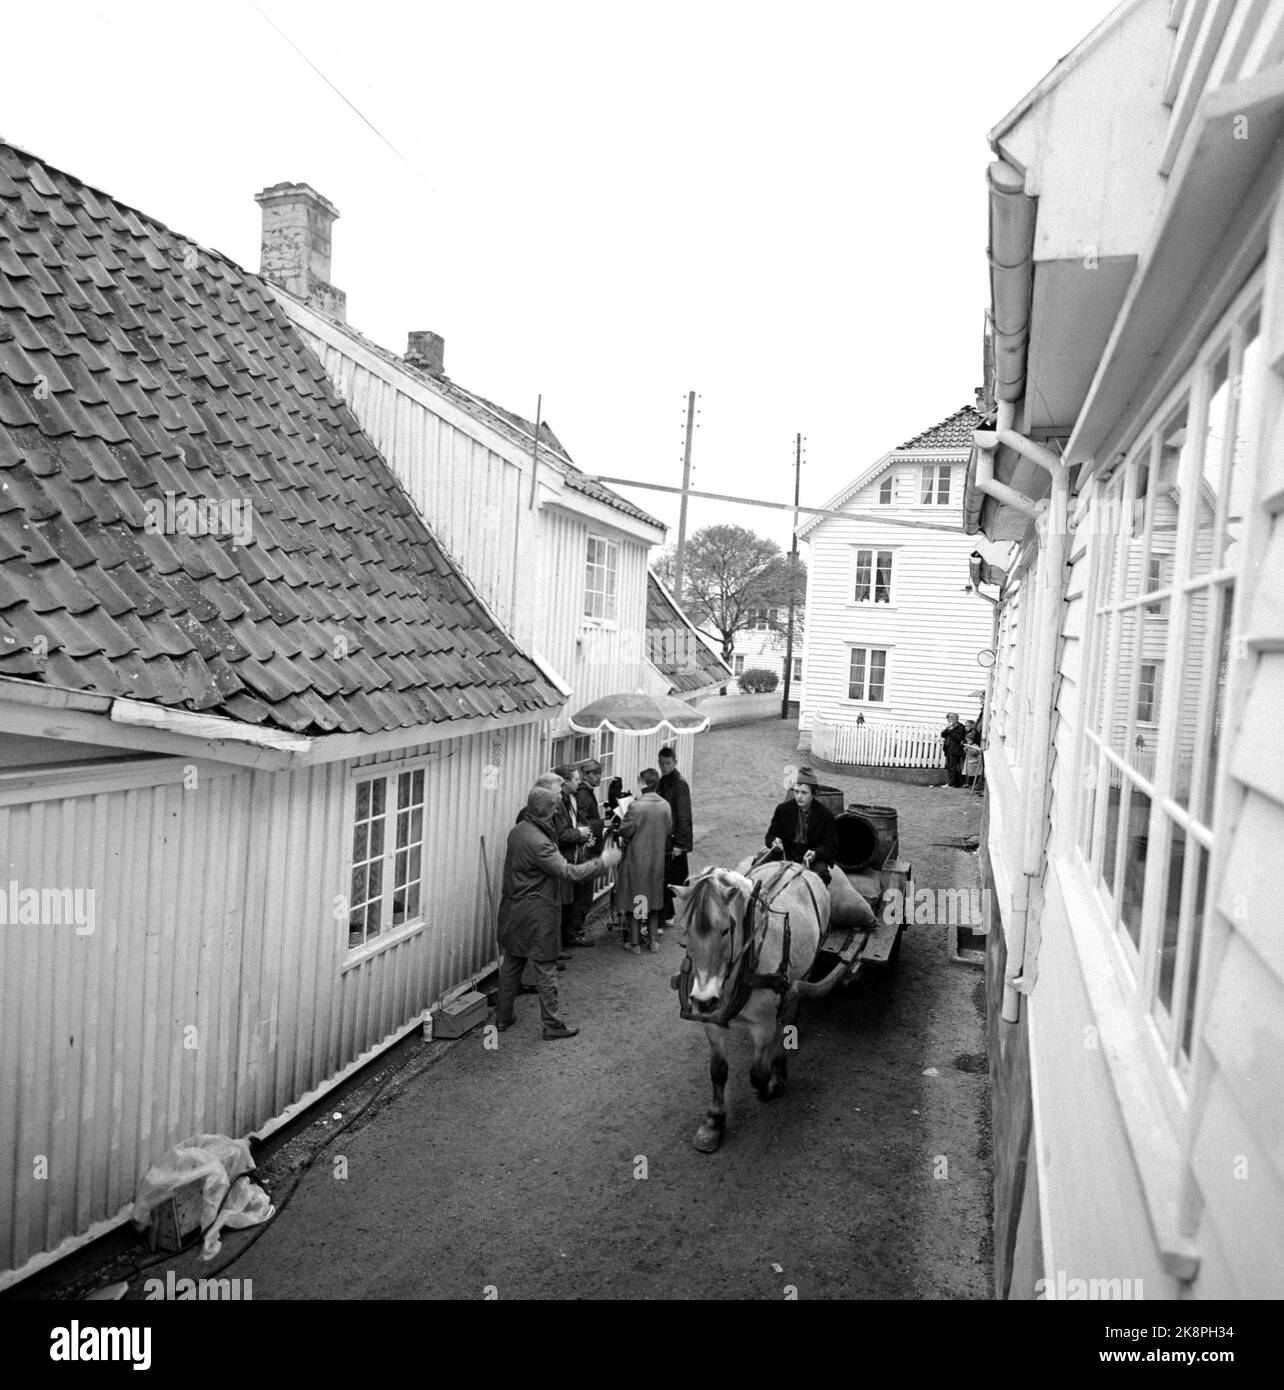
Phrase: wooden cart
[868,849]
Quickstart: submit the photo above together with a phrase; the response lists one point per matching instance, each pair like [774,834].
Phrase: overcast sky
[781,207]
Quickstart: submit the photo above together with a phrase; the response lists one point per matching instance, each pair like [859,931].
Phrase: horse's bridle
[741,976]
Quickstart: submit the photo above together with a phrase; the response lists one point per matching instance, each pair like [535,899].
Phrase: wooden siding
[1235,1195]
[528,563]
[474,500]
[214,911]
[932,629]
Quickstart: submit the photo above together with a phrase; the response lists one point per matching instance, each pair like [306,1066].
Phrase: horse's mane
[705,892]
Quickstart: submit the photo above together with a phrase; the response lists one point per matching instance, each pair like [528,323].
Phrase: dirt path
[521,1169]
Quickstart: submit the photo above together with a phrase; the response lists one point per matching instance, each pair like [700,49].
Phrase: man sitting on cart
[801,824]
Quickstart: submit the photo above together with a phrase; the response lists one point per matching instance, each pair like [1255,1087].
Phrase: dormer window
[936,484]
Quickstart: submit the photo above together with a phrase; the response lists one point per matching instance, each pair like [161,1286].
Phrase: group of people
[563,840]
[962,744]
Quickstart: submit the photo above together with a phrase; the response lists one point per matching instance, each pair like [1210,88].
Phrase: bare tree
[732,579]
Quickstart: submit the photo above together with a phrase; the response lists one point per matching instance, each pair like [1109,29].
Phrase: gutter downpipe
[1051,527]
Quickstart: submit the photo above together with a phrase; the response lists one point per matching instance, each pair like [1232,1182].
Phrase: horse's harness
[742,976]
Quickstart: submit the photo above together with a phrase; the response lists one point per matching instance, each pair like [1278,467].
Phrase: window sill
[599,625]
[874,607]
[358,955]
[1147,1123]
[864,704]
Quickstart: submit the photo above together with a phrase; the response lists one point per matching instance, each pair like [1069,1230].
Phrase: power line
[339,93]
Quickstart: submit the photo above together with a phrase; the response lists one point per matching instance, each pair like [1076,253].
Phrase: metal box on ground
[455,1019]
[176,1222]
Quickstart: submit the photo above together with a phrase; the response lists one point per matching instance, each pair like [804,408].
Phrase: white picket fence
[878,745]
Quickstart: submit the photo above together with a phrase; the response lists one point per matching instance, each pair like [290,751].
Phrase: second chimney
[427,351]
[296,245]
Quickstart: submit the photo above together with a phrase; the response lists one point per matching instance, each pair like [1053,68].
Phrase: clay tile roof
[674,648]
[954,432]
[189,513]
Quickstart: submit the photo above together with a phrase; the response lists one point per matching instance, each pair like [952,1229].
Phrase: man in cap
[674,789]
[590,816]
[530,910]
[801,823]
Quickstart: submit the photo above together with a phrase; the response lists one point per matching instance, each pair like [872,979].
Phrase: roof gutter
[1011,256]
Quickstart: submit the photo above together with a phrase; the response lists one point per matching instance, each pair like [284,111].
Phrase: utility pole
[686,485]
[793,578]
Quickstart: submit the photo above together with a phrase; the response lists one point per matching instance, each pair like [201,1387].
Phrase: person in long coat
[953,736]
[530,911]
[639,886]
[675,790]
[801,823]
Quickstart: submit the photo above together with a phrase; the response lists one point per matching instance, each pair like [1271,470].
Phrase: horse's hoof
[708,1141]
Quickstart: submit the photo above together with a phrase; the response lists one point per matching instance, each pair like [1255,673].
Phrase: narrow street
[515,1168]
[517,1172]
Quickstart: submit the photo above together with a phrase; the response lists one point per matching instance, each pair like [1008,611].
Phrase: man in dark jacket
[530,910]
[953,736]
[590,818]
[801,823]
[575,835]
[674,789]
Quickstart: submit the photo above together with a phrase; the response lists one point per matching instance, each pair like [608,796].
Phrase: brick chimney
[296,245]
[427,351]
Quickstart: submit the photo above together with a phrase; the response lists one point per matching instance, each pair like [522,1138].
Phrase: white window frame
[1174,808]
[761,619]
[609,592]
[887,489]
[863,699]
[1156,686]
[389,774]
[796,675]
[873,551]
[606,753]
[738,665]
[936,470]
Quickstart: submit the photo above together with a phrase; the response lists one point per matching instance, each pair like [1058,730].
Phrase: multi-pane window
[1165,568]
[606,754]
[763,619]
[387,855]
[936,484]
[873,577]
[885,490]
[569,749]
[1148,692]
[601,575]
[738,665]
[797,670]
[867,674]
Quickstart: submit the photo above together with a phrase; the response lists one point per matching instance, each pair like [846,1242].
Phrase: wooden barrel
[831,798]
[867,836]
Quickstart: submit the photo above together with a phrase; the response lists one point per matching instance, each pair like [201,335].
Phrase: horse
[735,927]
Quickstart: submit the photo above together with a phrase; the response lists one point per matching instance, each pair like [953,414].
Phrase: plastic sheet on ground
[229,1197]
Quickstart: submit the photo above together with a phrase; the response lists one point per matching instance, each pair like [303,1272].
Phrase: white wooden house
[761,645]
[255,723]
[560,559]
[895,635]
[1135,769]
